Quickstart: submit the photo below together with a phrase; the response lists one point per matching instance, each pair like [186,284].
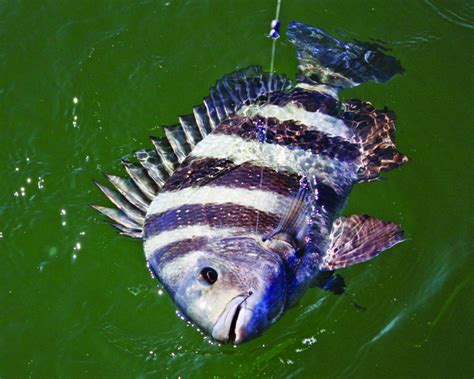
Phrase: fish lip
[233,337]
[224,329]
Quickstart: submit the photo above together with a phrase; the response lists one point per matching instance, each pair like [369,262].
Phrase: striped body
[238,204]
[242,179]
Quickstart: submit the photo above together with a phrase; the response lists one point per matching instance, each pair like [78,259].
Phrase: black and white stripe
[291,134]
[236,181]
[332,172]
[226,215]
[226,97]
[161,242]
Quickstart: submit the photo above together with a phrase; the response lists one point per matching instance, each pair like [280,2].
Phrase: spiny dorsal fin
[226,97]
[129,191]
[166,154]
[152,164]
[357,239]
[118,216]
[191,130]
[139,175]
[122,204]
[133,233]
[202,120]
[177,140]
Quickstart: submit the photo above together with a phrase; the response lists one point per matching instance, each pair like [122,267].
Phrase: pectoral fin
[287,239]
[293,223]
[357,239]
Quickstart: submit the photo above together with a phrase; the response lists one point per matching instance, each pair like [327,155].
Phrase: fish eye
[209,275]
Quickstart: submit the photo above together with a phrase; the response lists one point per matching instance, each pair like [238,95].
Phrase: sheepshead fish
[239,205]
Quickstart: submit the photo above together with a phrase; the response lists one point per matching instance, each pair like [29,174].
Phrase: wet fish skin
[248,217]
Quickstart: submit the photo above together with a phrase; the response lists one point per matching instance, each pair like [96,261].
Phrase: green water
[76,299]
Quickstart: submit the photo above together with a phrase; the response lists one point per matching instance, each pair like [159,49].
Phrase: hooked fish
[239,205]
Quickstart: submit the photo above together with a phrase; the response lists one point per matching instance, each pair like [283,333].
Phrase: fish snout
[232,325]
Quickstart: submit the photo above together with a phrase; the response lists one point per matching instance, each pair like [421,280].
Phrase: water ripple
[453,17]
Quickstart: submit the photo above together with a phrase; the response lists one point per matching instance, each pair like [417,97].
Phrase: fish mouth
[225,329]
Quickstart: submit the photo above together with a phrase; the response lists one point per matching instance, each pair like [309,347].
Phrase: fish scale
[246,192]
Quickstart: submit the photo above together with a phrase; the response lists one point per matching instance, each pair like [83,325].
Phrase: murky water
[83,84]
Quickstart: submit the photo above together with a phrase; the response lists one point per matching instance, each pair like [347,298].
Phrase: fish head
[233,288]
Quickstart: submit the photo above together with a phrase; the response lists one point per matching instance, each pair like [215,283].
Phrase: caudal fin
[324,59]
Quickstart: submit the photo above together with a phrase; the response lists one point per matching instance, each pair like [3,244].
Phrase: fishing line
[274,35]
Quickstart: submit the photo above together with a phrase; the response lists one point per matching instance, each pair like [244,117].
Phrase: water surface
[83,84]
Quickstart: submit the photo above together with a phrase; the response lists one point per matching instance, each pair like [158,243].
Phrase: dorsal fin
[202,120]
[139,175]
[191,130]
[226,97]
[166,154]
[177,139]
[153,166]
[129,191]
[375,133]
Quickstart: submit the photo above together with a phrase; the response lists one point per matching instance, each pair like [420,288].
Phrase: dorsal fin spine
[251,90]
[152,164]
[211,113]
[122,204]
[202,120]
[229,90]
[217,104]
[191,131]
[134,233]
[129,191]
[166,154]
[227,98]
[117,216]
[177,140]
[140,177]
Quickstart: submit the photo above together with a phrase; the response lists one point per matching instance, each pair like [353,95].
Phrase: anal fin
[357,239]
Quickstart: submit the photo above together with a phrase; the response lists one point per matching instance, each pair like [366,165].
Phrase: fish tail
[324,59]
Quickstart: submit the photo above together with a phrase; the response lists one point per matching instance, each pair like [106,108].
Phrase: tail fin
[324,59]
